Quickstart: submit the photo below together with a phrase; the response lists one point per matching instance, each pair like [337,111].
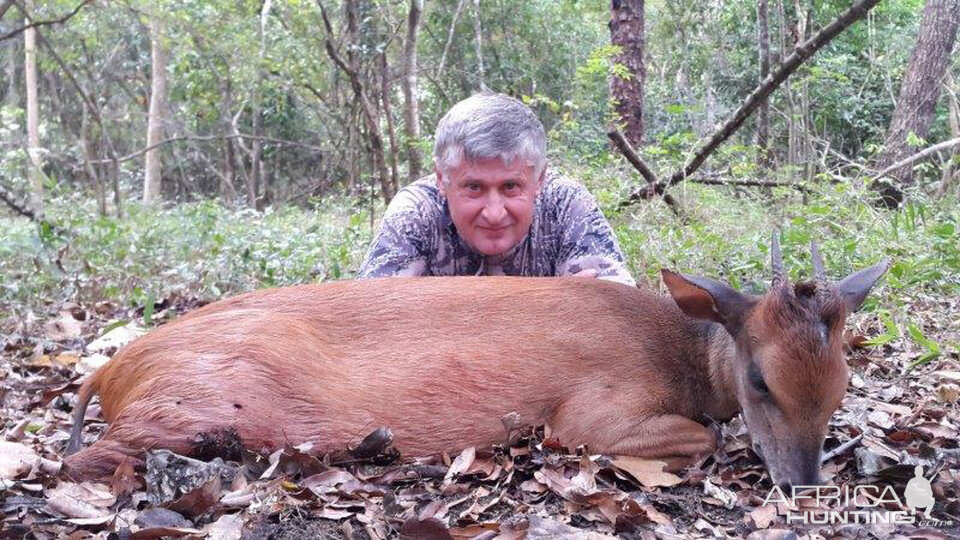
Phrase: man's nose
[494,211]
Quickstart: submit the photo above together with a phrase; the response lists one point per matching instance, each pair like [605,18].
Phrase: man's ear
[703,298]
[439,176]
[543,177]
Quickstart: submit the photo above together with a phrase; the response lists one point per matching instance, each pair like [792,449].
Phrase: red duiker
[441,360]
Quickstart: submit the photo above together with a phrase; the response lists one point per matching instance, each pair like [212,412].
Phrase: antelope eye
[756,379]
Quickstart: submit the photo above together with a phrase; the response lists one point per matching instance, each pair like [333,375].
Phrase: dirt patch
[224,444]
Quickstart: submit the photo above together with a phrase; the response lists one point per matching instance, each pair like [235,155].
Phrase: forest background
[156,155]
[221,146]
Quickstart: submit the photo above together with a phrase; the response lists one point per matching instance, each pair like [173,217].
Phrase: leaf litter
[893,418]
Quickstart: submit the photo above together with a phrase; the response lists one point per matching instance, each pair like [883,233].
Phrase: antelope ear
[856,286]
[706,299]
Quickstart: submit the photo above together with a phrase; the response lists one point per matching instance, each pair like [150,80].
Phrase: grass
[210,251]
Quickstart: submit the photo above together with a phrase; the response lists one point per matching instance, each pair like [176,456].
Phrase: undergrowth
[209,251]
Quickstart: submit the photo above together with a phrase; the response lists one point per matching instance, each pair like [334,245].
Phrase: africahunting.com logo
[864,504]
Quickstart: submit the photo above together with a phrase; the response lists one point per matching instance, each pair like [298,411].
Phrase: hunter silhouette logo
[918,492]
[859,504]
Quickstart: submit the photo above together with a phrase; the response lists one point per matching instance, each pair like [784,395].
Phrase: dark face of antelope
[790,369]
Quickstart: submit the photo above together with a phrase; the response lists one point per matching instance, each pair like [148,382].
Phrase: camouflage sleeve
[400,247]
[587,240]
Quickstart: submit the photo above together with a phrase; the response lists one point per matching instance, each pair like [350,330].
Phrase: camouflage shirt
[417,237]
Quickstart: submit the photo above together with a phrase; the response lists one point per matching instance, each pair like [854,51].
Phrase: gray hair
[490,126]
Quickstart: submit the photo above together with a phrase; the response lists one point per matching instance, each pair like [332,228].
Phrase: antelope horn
[819,276]
[776,262]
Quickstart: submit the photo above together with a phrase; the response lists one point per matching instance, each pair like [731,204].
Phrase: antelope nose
[757,450]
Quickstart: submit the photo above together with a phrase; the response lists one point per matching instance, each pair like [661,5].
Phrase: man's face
[491,202]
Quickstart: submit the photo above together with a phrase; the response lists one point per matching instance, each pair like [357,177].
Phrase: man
[492,208]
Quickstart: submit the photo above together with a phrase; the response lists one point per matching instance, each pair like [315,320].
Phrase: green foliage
[198,248]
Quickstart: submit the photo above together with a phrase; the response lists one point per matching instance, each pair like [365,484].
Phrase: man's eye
[473,187]
[511,186]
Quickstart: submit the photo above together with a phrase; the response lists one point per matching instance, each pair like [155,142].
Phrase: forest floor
[888,424]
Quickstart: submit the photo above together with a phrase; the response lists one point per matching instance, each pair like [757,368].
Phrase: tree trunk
[12,97]
[35,163]
[156,116]
[369,116]
[953,119]
[763,113]
[626,31]
[919,93]
[89,168]
[385,92]
[411,105]
[257,144]
[478,42]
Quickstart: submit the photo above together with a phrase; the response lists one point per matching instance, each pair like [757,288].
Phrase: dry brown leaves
[890,421]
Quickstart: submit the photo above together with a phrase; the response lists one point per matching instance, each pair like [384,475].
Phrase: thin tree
[919,94]
[626,32]
[257,112]
[156,115]
[478,42]
[13,92]
[411,105]
[34,161]
[763,51]
[368,113]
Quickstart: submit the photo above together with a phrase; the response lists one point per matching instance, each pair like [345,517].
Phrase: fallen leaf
[763,516]
[116,338]
[86,500]
[199,500]
[161,517]
[91,363]
[228,527]
[648,472]
[727,498]
[460,464]
[772,534]
[125,479]
[63,328]
[424,529]
[15,460]
[155,533]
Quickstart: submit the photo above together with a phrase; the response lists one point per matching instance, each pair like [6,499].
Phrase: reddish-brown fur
[441,360]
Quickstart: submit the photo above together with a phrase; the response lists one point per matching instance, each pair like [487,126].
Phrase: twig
[920,155]
[142,151]
[906,421]
[750,183]
[841,449]
[34,24]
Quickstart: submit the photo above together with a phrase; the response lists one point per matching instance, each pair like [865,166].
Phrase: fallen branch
[23,211]
[34,24]
[628,152]
[841,449]
[747,183]
[762,92]
[142,151]
[919,155]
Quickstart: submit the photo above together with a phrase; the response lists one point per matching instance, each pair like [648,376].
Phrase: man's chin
[492,249]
